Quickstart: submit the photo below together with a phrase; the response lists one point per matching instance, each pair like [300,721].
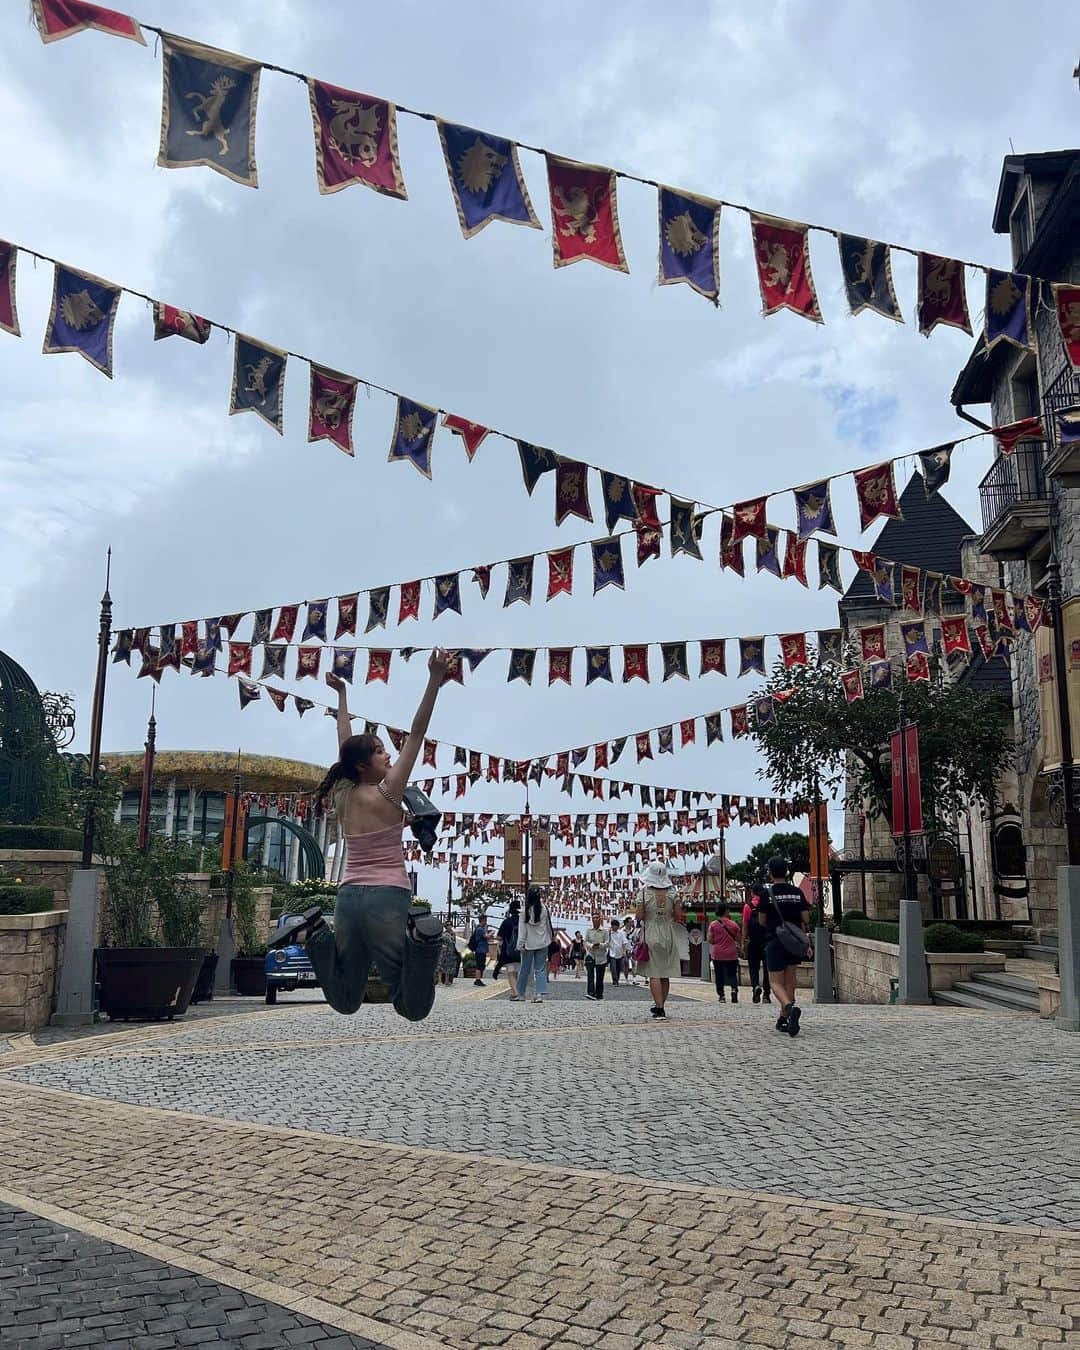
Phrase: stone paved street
[640,1187]
[60,1287]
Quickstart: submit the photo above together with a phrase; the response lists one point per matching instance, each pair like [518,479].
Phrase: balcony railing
[1012,478]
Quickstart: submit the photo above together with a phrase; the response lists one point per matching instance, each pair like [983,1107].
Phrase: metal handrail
[1018,477]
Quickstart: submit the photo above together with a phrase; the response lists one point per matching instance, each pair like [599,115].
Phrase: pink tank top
[375,858]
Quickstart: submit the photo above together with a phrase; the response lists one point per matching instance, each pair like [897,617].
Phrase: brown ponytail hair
[355,754]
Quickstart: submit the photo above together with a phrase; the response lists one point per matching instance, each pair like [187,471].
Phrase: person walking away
[554,957]
[616,953]
[478,945]
[787,904]
[658,911]
[631,939]
[577,956]
[596,956]
[535,935]
[755,933]
[724,950]
[376,918]
[509,956]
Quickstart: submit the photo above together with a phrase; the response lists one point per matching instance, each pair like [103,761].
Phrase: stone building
[1031,499]
[934,536]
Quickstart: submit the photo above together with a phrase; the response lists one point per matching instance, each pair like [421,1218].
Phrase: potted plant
[249,963]
[150,955]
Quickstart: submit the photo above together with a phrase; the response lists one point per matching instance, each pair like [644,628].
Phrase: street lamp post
[97,712]
[1071,809]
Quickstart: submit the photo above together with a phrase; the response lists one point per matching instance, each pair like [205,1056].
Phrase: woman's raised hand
[335,682]
[438,664]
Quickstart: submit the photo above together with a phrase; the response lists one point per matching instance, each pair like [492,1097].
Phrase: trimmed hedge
[40,836]
[25,899]
[874,930]
[946,937]
[937,937]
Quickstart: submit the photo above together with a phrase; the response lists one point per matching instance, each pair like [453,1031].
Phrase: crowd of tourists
[771,933]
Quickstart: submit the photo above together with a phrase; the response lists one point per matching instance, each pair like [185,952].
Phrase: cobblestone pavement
[59,1287]
[295,1155]
[918,1110]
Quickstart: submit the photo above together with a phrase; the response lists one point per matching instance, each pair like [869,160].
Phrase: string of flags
[911,589]
[209,106]
[82,317]
[478,766]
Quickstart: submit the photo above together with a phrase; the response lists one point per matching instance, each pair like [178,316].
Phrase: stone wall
[31,953]
[862,969]
[43,867]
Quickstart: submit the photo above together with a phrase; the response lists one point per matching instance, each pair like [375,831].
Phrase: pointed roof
[930,536]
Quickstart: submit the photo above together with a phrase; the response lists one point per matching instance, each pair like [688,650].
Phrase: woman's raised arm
[397,778]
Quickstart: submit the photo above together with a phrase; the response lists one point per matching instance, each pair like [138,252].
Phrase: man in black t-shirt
[785,903]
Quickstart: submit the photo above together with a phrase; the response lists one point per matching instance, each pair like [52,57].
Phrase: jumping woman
[375,918]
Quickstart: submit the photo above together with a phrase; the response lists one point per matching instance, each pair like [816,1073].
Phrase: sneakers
[424,926]
[290,934]
[781,1024]
[657,1012]
[479,984]
[766,997]
[539,998]
[591,998]
[757,993]
[794,1012]
[720,998]
[734,996]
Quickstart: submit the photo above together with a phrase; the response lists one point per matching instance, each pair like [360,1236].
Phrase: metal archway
[312,859]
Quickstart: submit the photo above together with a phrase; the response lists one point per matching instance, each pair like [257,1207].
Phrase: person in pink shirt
[375,917]
[724,949]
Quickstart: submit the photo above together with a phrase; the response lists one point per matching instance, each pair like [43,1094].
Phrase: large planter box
[249,976]
[31,954]
[147,983]
[864,970]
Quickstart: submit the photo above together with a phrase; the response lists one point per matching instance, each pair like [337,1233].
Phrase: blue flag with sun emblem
[208,110]
[485,179]
[1007,308]
[414,429]
[813,509]
[690,242]
[82,317]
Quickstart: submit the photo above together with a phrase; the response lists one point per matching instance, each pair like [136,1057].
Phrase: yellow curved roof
[216,769]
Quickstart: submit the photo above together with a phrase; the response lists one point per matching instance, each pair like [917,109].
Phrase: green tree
[817,736]
[792,846]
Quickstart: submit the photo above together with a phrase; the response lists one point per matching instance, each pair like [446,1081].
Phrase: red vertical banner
[897,763]
[914,780]
[232,837]
[906,764]
[819,841]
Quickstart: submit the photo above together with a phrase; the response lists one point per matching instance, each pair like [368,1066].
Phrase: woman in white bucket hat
[658,910]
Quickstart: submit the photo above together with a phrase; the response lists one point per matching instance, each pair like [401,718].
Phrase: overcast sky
[885,121]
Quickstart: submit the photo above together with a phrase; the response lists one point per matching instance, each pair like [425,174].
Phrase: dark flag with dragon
[868,276]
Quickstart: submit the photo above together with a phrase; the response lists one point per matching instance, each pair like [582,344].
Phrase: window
[1020,227]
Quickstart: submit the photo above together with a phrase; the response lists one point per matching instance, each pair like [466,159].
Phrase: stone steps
[992,993]
[1034,951]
